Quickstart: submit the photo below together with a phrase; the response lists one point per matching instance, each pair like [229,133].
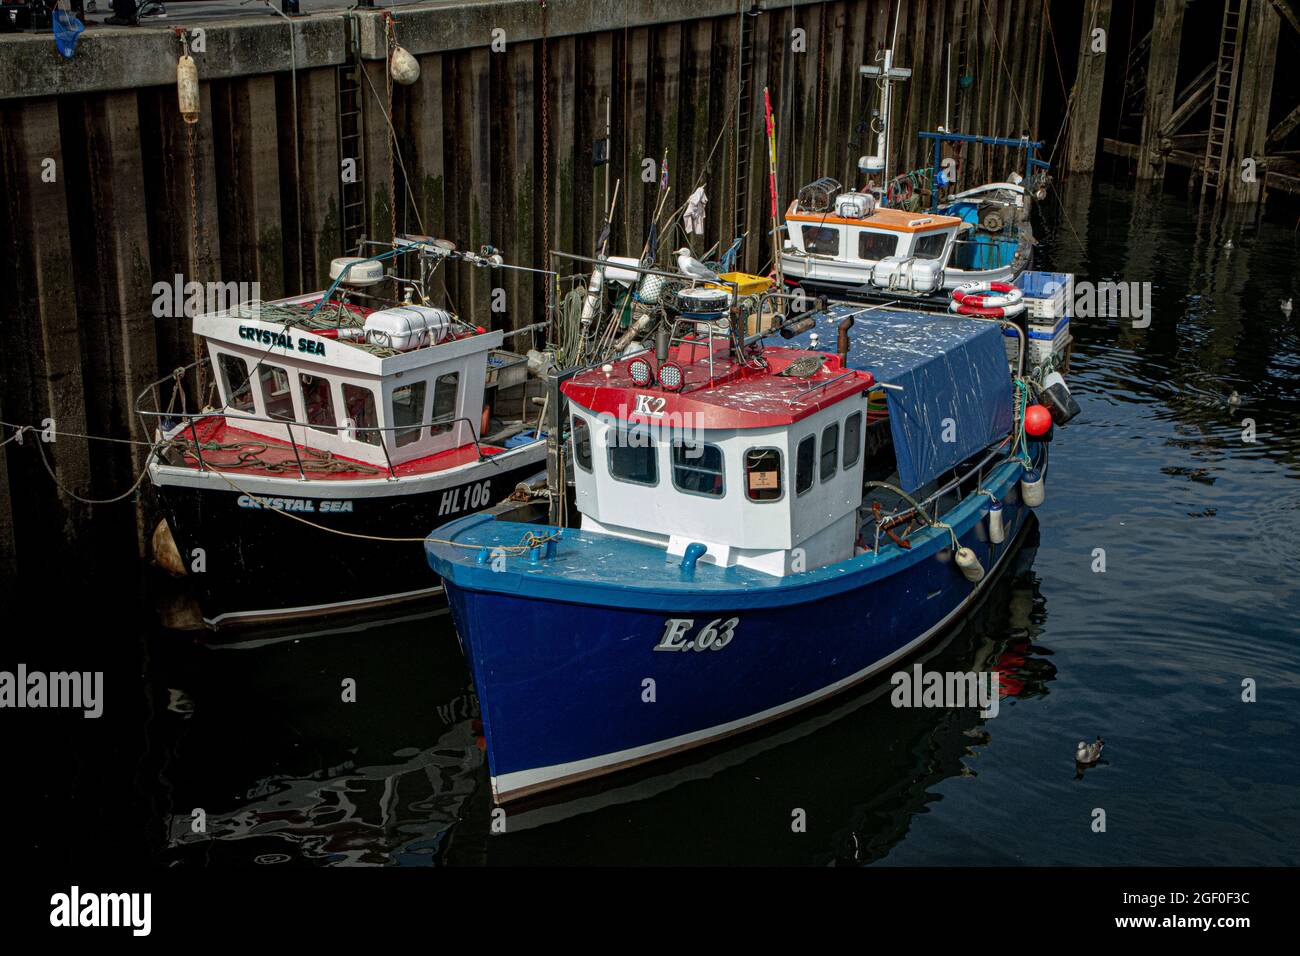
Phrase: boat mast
[888,75]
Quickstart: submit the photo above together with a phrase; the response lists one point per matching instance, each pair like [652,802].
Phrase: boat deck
[588,567]
[587,557]
[252,454]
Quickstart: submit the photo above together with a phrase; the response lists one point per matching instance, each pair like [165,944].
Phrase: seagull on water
[688,265]
[1088,754]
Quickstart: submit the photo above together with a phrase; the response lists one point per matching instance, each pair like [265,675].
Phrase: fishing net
[67,29]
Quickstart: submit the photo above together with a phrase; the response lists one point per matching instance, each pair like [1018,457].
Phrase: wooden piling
[379,162]
[118,197]
[43,373]
[1162,76]
[475,123]
[248,170]
[1081,150]
[1250,119]
[636,145]
[564,149]
[321,170]
[520,200]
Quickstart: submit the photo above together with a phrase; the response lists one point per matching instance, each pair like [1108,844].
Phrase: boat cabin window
[318,401]
[234,378]
[931,246]
[804,460]
[408,412]
[359,403]
[633,457]
[852,440]
[830,451]
[697,469]
[277,396]
[582,442]
[822,240]
[876,245]
[763,474]
[444,402]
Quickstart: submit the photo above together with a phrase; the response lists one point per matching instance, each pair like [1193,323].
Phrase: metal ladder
[1133,97]
[1224,100]
[352,196]
[960,28]
[744,123]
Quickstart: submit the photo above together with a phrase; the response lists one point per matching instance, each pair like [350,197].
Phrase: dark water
[1200,535]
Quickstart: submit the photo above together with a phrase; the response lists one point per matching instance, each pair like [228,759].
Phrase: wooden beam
[1081,154]
[1250,119]
[1190,100]
[322,221]
[113,140]
[1284,128]
[524,292]
[1116,147]
[1162,75]
[1287,13]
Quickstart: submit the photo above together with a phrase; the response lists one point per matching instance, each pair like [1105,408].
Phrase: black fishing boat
[338,429]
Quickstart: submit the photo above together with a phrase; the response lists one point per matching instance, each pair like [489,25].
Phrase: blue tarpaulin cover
[949,368]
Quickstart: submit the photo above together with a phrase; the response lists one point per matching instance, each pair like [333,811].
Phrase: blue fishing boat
[758,532]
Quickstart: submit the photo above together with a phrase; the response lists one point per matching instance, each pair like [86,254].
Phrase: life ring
[990,300]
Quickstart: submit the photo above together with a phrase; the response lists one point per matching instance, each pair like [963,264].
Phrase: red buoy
[1037,420]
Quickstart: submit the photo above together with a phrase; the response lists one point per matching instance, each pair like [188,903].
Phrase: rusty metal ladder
[1224,99]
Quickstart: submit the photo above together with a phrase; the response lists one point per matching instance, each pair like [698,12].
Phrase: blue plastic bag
[67,29]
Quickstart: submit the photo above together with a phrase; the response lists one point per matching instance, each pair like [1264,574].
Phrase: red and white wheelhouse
[761,466]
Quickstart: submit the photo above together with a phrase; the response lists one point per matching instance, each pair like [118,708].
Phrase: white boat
[870,243]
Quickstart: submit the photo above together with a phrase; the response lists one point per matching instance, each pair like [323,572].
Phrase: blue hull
[584,673]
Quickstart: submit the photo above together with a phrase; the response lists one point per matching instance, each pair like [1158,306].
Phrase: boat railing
[931,507]
[172,422]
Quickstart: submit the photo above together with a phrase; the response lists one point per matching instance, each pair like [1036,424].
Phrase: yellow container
[746,284]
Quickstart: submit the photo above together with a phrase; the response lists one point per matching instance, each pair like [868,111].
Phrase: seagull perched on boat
[1088,754]
[688,265]
[1286,306]
[805,367]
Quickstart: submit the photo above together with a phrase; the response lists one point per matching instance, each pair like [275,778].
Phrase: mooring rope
[529,541]
[20,430]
